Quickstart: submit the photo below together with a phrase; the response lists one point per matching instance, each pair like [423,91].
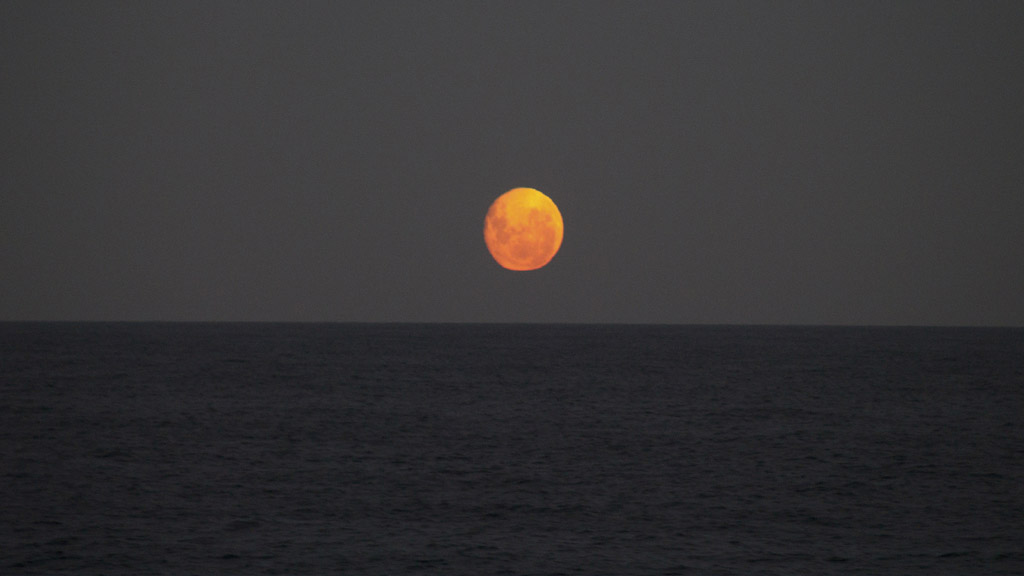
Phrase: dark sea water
[520,450]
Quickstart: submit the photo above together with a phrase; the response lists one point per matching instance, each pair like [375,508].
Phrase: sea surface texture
[510,449]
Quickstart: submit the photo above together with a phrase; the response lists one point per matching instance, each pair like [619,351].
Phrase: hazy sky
[715,162]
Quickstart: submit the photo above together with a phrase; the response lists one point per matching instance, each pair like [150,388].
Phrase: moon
[523,229]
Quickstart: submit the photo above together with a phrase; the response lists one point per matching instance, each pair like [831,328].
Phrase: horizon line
[522,323]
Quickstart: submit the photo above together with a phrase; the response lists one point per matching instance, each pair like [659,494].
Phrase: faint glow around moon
[523,229]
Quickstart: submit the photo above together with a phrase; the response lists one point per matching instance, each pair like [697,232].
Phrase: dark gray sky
[715,162]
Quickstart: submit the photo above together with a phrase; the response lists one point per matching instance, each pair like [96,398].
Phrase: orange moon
[523,229]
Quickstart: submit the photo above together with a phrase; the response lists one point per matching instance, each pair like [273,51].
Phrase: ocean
[164,448]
